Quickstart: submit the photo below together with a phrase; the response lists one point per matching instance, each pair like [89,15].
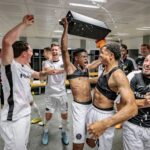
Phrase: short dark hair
[19,47]
[124,47]
[78,51]
[47,49]
[115,49]
[146,45]
[54,44]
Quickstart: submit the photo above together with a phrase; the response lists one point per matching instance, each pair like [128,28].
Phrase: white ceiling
[121,16]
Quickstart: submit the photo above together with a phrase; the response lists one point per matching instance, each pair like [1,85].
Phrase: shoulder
[28,69]
[47,63]
[139,58]
[119,77]
[132,74]
[130,59]
[118,73]
[14,63]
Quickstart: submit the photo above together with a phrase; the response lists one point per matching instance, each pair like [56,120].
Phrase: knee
[78,146]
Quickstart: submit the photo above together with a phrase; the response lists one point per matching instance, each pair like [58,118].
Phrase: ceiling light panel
[58,31]
[99,1]
[84,5]
[140,1]
[81,2]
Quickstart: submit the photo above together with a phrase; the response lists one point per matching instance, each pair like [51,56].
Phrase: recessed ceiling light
[122,34]
[83,5]
[100,1]
[142,28]
[109,38]
[146,27]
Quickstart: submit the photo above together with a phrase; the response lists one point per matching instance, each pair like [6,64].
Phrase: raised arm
[11,36]
[64,46]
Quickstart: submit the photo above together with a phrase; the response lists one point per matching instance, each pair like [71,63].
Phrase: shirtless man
[78,77]
[101,117]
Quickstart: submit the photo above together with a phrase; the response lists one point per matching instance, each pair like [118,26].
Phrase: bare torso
[100,100]
[81,89]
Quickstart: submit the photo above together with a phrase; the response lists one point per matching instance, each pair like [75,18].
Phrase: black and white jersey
[127,65]
[139,62]
[140,86]
[17,91]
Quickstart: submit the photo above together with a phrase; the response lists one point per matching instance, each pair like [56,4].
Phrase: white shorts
[135,137]
[105,140]
[59,103]
[15,133]
[79,112]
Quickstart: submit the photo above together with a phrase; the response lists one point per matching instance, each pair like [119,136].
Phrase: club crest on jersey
[78,136]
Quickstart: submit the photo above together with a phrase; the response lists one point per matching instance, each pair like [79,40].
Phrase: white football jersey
[56,83]
[17,91]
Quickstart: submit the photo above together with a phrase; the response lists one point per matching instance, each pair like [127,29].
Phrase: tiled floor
[55,133]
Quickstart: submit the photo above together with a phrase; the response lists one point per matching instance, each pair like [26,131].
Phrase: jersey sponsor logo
[22,75]
[138,95]
[78,136]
